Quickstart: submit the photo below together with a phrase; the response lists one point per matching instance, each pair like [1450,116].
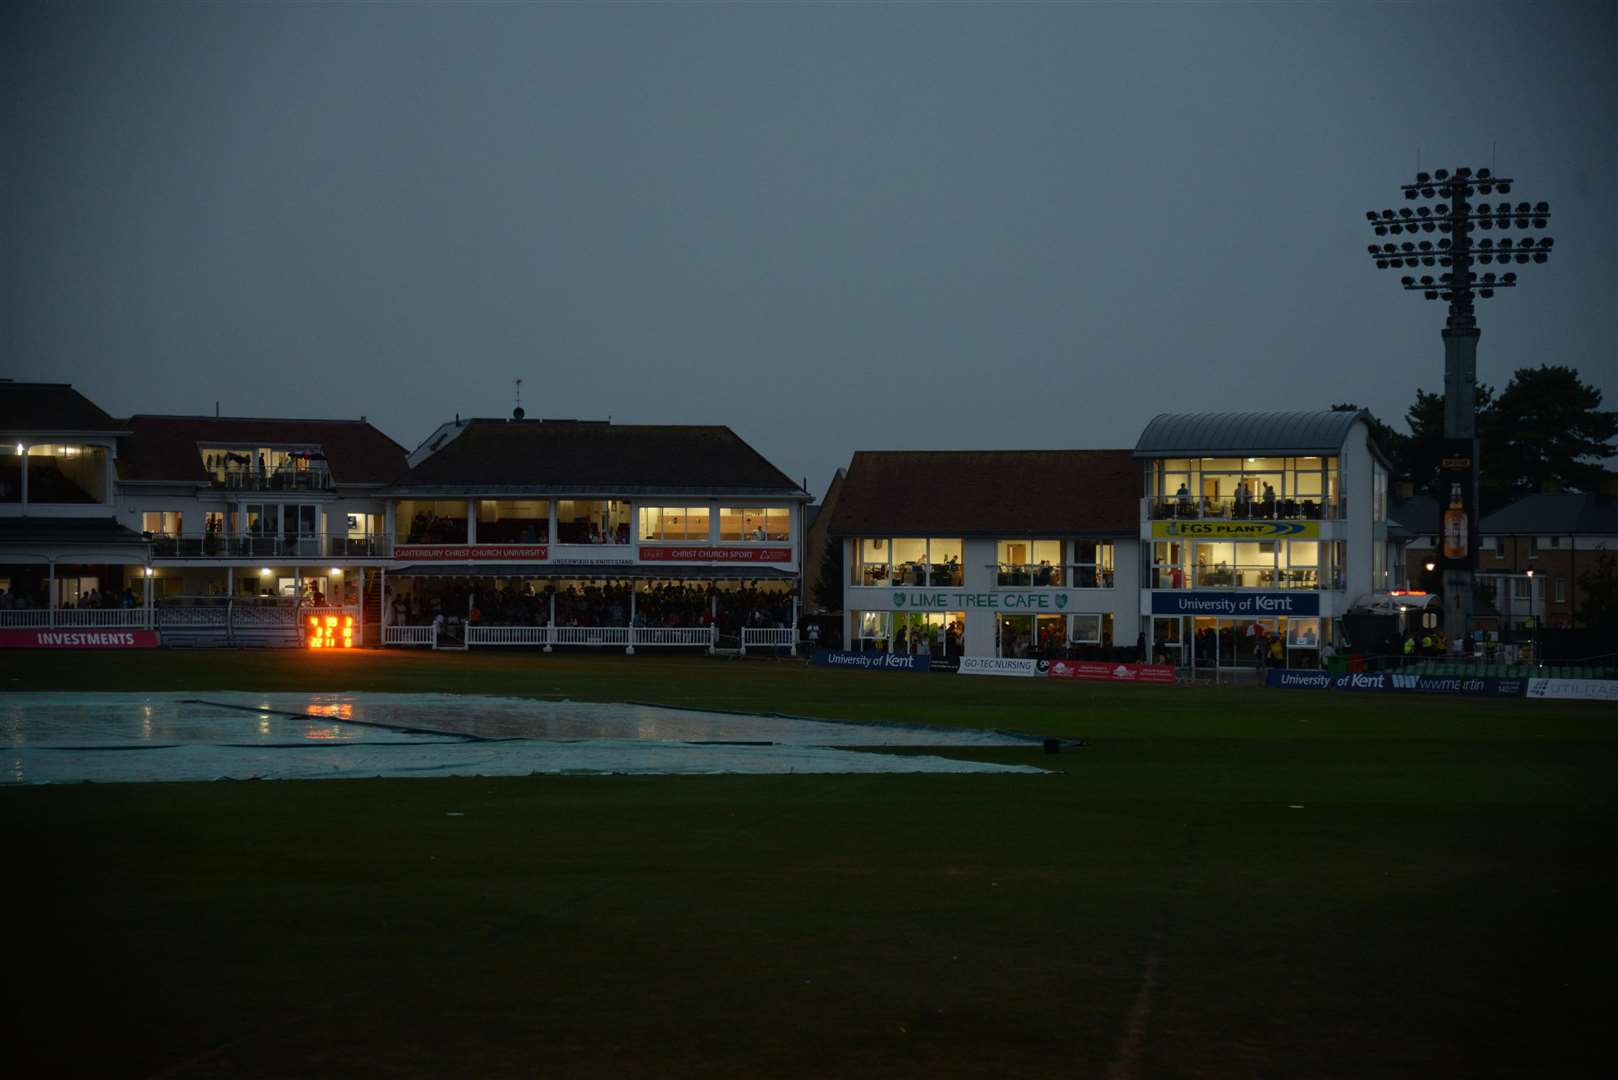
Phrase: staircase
[371,610]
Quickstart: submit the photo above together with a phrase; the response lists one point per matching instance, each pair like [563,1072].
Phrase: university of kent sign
[1018,602]
[1235,530]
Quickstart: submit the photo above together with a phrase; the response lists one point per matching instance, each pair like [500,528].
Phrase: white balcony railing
[548,636]
[768,638]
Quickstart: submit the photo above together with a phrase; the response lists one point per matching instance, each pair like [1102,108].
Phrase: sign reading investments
[1029,602]
[1235,530]
[1229,605]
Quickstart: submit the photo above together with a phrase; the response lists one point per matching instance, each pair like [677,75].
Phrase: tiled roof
[165,448]
[990,493]
[72,530]
[1196,434]
[1415,516]
[31,406]
[562,455]
[1565,514]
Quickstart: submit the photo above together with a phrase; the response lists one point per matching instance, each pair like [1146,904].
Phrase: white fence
[622,637]
[43,619]
[768,638]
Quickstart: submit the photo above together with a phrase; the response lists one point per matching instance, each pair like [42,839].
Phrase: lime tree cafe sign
[1029,602]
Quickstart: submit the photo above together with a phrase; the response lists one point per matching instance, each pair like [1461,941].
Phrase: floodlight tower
[1456,250]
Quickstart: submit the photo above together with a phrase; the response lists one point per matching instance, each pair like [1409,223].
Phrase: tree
[1598,594]
[829,583]
[1547,425]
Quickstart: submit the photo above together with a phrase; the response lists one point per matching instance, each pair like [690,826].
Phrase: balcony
[1241,577]
[1200,508]
[935,575]
[165,546]
[1044,575]
[251,478]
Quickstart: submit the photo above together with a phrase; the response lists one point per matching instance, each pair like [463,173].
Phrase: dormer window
[267,468]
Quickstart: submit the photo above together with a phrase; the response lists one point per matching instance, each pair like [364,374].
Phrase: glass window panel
[909,550]
[1221,464]
[1303,553]
[1264,464]
[592,521]
[1086,630]
[1048,551]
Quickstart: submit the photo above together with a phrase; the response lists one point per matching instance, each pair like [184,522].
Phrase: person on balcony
[1183,498]
[1244,502]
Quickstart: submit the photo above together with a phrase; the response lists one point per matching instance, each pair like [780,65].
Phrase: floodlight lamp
[1485,223]
[1522,257]
[1547,242]
[1445,261]
[1501,208]
[1422,178]
[1485,189]
[1523,208]
[1463,172]
[1407,281]
[1373,249]
[1396,228]
[1443,226]
[1430,295]
[1483,174]
[1509,279]
[1387,215]
[1382,264]
[1390,247]
[1540,257]
[1382,230]
[1540,223]
[1426,226]
[1443,245]
[1427,192]
[1426,245]
[1505,241]
[1505,189]
[1542,208]
[1423,211]
[1522,223]
[1441,174]
[1431,566]
[1408,246]
[1426,279]
[1488,279]
[1485,293]
[1405,211]
[1400,262]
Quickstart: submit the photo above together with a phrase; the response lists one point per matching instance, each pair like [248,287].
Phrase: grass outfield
[1439,902]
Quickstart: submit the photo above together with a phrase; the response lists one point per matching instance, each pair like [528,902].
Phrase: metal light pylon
[1458,248]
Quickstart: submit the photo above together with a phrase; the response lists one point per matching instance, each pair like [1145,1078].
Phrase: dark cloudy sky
[831,227]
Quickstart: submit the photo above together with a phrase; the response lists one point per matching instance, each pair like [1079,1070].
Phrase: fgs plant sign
[1235,530]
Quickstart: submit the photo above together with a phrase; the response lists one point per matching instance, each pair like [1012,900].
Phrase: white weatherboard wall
[981,597]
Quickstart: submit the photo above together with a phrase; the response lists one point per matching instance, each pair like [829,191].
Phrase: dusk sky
[831,227]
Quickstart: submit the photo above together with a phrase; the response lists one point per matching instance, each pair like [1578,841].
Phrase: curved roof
[1213,434]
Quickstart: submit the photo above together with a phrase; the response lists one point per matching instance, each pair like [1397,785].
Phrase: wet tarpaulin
[63,738]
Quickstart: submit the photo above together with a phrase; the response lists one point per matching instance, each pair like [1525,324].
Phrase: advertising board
[79,639]
[1100,669]
[1176,529]
[1000,665]
[470,552]
[715,554]
[1396,682]
[870,661]
[1574,689]
[1458,527]
[1237,605]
